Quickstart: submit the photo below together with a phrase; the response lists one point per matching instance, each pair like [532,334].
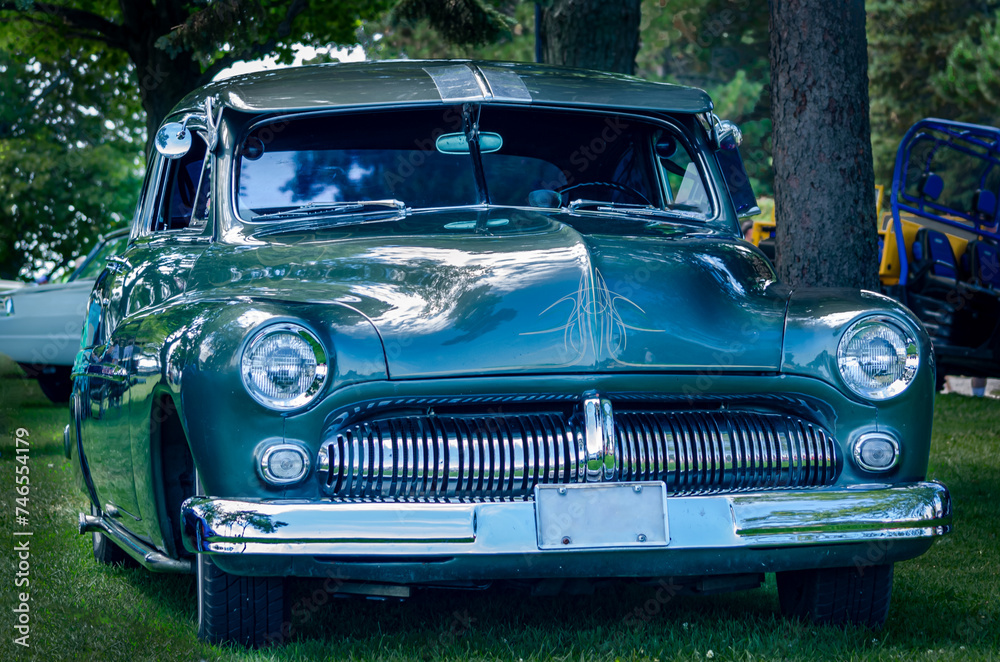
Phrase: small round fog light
[283,464]
[876,452]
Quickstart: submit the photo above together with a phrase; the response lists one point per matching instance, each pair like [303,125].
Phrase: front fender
[816,321]
[193,352]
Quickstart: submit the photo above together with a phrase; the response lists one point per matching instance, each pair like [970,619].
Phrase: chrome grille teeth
[724,451]
[505,456]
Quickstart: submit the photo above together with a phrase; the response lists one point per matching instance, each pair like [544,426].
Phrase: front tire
[837,596]
[247,611]
[54,381]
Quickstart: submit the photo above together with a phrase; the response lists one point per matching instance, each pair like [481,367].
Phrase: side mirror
[728,131]
[173,140]
[727,150]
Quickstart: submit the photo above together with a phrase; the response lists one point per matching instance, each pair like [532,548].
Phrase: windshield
[421,159]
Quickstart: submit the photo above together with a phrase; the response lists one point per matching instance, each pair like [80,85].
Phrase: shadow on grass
[444,616]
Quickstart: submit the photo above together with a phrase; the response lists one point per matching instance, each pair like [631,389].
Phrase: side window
[185,197]
[685,187]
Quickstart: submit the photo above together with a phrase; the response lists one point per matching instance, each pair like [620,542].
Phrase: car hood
[526,292]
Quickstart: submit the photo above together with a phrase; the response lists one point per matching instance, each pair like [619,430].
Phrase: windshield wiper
[635,210]
[316,208]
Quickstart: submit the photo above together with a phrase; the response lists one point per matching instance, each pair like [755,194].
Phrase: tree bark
[824,184]
[591,34]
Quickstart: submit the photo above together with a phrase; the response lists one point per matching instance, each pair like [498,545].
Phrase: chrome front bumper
[762,523]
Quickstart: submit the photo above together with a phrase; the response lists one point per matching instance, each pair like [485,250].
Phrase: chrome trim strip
[112,373]
[457,83]
[609,459]
[717,522]
[505,85]
[149,557]
[599,436]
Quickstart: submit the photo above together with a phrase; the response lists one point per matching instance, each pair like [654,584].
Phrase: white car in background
[40,325]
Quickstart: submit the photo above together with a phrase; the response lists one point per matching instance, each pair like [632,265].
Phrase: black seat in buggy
[932,255]
[982,259]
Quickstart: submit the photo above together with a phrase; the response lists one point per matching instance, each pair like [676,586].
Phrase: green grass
[945,603]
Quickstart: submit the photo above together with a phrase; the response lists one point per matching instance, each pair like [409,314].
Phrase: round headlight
[877,358]
[284,367]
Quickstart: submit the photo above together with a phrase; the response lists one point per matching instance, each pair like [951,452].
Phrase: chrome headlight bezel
[901,340]
[300,340]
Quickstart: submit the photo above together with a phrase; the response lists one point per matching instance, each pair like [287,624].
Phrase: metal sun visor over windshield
[381,162]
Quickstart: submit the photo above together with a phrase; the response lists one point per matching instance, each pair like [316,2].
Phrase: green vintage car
[424,323]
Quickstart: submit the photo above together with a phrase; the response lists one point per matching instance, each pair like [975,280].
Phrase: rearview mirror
[456,143]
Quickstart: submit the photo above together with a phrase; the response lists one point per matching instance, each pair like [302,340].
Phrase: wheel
[247,611]
[107,552]
[859,596]
[56,385]
[612,185]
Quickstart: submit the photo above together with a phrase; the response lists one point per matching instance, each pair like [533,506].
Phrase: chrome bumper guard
[724,521]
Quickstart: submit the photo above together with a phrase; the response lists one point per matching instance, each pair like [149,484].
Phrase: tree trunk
[591,34]
[824,184]
[163,78]
[162,83]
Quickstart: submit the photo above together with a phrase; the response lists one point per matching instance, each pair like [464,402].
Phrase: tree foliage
[85,78]
[70,154]
[720,46]
[929,58]
[85,84]
[174,46]
[406,33]
[468,22]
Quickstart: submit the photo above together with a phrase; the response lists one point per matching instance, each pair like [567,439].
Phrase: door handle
[118,264]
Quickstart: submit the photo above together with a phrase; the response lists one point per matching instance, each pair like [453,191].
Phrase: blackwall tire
[247,611]
[837,596]
[57,386]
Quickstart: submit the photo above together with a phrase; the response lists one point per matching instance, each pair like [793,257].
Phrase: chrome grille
[428,457]
[496,456]
[723,451]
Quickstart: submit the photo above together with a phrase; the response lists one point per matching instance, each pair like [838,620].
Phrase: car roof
[428,82]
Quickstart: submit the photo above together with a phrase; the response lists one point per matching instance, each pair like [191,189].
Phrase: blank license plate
[601,515]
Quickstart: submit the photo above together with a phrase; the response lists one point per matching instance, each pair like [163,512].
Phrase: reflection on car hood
[531,293]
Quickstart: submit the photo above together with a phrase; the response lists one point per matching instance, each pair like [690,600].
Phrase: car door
[170,230]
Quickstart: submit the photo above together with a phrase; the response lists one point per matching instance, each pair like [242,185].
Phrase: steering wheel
[612,185]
